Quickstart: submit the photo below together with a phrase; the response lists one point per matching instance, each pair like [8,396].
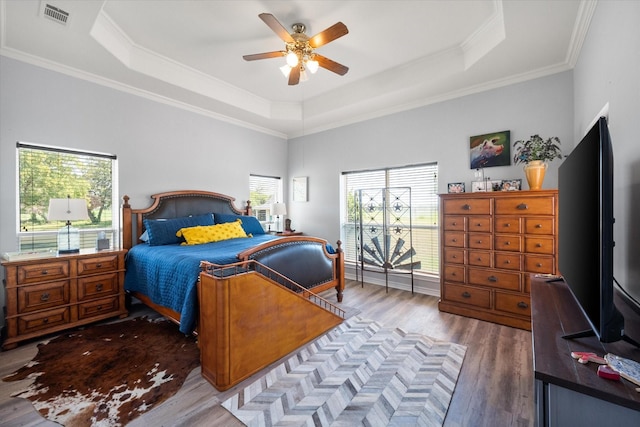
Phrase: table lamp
[68,210]
[278,209]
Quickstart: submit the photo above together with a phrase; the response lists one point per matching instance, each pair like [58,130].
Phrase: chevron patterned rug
[360,373]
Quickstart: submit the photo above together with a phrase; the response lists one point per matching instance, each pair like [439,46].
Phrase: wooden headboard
[174,204]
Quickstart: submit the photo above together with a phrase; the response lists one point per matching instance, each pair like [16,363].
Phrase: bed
[164,273]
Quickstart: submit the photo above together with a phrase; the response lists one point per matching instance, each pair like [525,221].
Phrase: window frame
[429,209]
[32,240]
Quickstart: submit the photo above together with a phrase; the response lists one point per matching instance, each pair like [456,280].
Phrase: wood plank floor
[495,387]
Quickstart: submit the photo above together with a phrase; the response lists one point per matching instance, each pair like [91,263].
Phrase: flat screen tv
[585,227]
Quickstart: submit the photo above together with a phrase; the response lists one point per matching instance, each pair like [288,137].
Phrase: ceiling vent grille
[55,14]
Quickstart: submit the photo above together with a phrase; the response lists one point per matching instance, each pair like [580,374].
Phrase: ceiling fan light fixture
[312,65]
[303,75]
[286,70]
[292,59]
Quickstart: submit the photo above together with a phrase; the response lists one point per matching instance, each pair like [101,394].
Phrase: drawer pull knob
[44,272]
[99,287]
[507,243]
[45,320]
[479,224]
[508,224]
[508,261]
[99,307]
[479,242]
[538,265]
[99,265]
[466,207]
[454,256]
[44,297]
[523,304]
[479,259]
[454,240]
[492,278]
[454,223]
[466,294]
[538,225]
[522,207]
[538,245]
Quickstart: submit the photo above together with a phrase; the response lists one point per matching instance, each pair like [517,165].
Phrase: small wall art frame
[490,149]
[300,190]
[455,187]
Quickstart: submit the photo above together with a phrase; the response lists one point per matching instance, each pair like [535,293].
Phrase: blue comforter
[168,274]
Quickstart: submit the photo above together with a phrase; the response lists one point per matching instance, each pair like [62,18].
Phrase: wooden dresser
[52,294]
[490,242]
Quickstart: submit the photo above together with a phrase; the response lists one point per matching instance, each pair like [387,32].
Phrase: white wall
[435,133]
[608,71]
[159,147]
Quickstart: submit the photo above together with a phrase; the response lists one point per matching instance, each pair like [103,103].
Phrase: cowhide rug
[109,374]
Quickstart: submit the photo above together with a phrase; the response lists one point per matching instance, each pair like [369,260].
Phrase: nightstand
[289,233]
[59,292]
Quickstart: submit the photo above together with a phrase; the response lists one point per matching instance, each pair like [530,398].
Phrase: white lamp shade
[278,209]
[67,209]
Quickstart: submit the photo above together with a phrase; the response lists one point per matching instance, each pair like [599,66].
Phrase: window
[263,192]
[51,172]
[423,180]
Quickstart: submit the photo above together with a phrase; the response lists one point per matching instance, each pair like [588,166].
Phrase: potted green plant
[535,153]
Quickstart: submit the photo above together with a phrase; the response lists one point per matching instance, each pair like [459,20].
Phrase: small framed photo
[484,186]
[456,187]
[510,185]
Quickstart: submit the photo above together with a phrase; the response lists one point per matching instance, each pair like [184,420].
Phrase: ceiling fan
[300,49]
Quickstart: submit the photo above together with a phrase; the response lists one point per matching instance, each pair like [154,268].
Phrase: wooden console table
[568,393]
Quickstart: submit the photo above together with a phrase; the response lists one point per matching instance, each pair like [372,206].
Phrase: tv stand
[567,392]
[590,333]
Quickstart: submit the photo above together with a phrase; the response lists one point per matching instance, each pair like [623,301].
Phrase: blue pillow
[163,231]
[250,224]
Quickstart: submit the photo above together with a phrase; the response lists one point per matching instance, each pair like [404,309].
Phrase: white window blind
[423,181]
[45,173]
[263,192]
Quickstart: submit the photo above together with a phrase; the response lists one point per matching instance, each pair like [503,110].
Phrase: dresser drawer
[539,226]
[480,224]
[480,241]
[97,286]
[97,264]
[494,279]
[41,320]
[507,224]
[525,206]
[455,223]
[33,273]
[508,242]
[508,261]
[513,303]
[467,295]
[479,258]
[539,245]
[98,307]
[454,273]
[453,256]
[43,296]
[454,239]
[539,264]
[468,206]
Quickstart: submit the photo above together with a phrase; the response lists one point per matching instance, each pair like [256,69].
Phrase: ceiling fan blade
[330,34]
[277,27]
[294,76]
[330,65]
[265,55]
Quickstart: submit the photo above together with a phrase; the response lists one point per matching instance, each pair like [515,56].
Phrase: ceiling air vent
[55,14]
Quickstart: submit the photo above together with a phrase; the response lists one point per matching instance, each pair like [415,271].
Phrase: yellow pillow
[211,233]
